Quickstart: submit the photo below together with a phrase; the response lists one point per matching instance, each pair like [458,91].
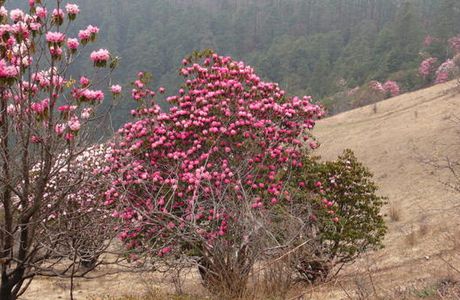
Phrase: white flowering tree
[48,198]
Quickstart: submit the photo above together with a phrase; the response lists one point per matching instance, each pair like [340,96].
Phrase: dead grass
[424,228]
[395,213]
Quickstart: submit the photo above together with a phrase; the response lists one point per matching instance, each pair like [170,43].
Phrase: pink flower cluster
[89,34]
[392,88]
[72,44]
[40,108]
[58,16]
[100,57]
[41,12]
[72,9]
[226,138]
[7,71]
[17,15]
[445,71]
[377,86]
[116,89]
[427,66]
[87,95]
[55,37]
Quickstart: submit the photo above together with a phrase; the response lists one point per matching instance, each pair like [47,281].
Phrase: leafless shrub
[424,228]
[273,280]
[394,213]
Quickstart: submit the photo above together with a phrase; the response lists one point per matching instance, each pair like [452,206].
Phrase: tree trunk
[6,291]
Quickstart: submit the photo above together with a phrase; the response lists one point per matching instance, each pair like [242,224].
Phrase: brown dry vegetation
[421,259]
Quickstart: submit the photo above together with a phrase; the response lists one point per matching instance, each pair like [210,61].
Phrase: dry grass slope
[423,214]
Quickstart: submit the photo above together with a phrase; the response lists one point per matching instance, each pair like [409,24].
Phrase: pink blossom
[86,113]
[67,108]
[445,70]
[93,29]
[17,15]
[41,12]
[69,136]
[74,124]
[90,95]
[84,81]
[58,13]
[7,71]
[3,12]
[392,88]
[164,251]
[116,89]
[313,145]
[11,110]
[55,37]
[40,107]
[56,51]
[72,44]
[59,129]
[72,9]
[35,139]
[427,66]
[35,26]
[100,57]
[377,86]
[84,35]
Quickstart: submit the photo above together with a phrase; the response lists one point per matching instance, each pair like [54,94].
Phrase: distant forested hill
[314,47]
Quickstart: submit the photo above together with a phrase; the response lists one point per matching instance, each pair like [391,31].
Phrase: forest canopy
[314,47]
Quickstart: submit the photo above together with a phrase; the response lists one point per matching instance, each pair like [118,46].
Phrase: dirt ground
[422,249]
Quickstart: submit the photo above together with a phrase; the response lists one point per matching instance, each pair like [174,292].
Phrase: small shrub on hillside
[349,194]
[395,213]
[367,94]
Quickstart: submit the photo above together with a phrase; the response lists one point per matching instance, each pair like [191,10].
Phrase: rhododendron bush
[200,179]
[390,88]
[439,69]
[348,194]
[44,118]
[372,92]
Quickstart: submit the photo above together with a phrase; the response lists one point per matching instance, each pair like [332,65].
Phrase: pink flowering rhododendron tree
[44,118]
[390,88]
[200,180]
[433,71]
[446,71]
[76,223]
[427,68]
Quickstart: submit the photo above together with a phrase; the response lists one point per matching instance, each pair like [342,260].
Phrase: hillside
[395,142]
